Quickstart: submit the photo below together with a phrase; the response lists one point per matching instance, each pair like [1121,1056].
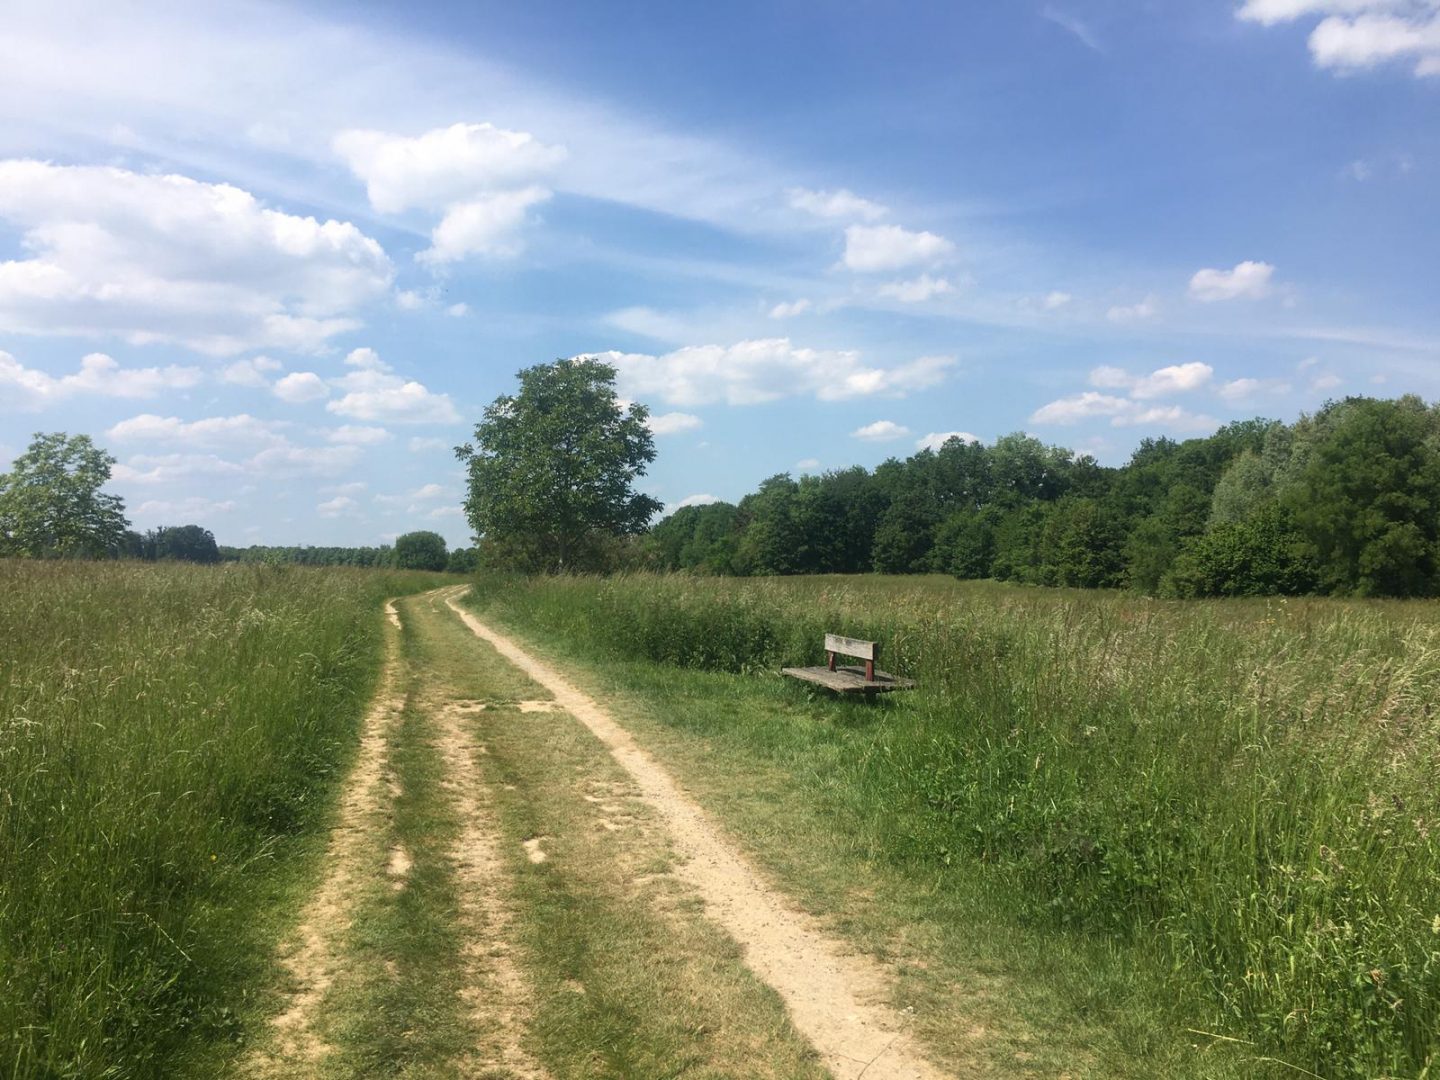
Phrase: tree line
[1345,501]
[52,506]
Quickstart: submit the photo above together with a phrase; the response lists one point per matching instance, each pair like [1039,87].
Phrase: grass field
[1161,820]
[170,741]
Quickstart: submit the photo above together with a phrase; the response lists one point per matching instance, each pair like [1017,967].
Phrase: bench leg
[869,670]
[830,660]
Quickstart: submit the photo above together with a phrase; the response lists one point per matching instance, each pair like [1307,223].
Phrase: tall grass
[1246,792]
[168,737]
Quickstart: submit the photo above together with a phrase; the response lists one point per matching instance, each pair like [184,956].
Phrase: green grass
[1110,819]
[170,741]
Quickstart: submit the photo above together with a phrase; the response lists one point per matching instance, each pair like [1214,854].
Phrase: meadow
[1233,804]
[171,738]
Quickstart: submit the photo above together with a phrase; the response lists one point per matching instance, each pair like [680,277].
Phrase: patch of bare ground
[496,992]
[312,955]
[837,999]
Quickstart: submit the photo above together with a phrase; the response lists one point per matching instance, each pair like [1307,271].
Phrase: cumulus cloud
[101,375]
[920,289]
[1358,34]
[358,435]
[340,504]
[1247,389]
[196,506]
[789,310]
[1128,313]
[673,423]
[836,204]
[1055,300]
[936,439]
[443,166]
[881,431]
[1122,412]
[480,177]
[172,468]
[209,432]
[164,258]
[1248,281]
[870,248]
[756,371]
[695,500]
[299,387]
[458,311]
[254,372]
[484,225]
[373,392]
[1162,382]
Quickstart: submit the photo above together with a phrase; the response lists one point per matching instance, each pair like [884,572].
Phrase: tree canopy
[51,505]
[552,468]
[1345,501]
[421,550]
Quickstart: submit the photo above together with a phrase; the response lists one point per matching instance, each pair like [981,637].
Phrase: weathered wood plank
[849,680]
[849,646]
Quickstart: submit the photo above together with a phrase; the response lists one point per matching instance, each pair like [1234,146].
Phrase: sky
[277,259]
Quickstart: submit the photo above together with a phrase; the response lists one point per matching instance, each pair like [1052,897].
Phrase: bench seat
[849,680]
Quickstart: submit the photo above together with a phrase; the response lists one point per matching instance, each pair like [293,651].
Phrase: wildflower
[1435,925]
[213,857]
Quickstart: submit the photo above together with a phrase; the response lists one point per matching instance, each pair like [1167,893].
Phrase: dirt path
[837,999]
[313,956]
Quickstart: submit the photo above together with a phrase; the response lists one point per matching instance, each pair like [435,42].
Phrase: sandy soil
[837,999]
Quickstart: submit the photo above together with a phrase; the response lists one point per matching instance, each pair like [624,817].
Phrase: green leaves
[552,468]
[51,505]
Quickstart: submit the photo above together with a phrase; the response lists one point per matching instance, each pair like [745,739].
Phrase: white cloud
[410,300]
[1122,412]
[768,369]
[1357,34]
[673,423]
[936,439]
[1326,382]
[210,432]
[1248,280]
[358,435]
[807,464]
[419,444]
[374,393]
[1055,300]
[293,460]
[443,166]
[478,175]
[30,388]
[254,372]
[194,507]
[881,431]
[458,311]
[836,204]
[1162,382]
[1128,313]
[485,225]
[441,512]
[1246,389]
[341,504]
[152,258]
[788,310]
[694,500]
[172,468]
[920,289]
[647,322]
[427,491]
[889,247]
[301,386]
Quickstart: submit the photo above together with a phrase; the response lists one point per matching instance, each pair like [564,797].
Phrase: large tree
[422,550]
[51,505]
[552,468]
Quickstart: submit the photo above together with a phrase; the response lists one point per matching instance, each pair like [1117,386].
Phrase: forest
[1345,502]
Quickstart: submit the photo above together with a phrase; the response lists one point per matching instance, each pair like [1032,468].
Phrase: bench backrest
[849,646]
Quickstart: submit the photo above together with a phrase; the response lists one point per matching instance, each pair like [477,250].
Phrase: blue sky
[278,258]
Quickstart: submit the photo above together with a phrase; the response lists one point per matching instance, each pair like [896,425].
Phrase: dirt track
[836,998]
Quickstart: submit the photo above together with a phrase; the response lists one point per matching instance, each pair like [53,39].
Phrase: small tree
[552,468]
[184,543]
[51,505]
[422,550]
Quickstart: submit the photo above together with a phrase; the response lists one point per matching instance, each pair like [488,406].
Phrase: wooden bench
[850,679]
